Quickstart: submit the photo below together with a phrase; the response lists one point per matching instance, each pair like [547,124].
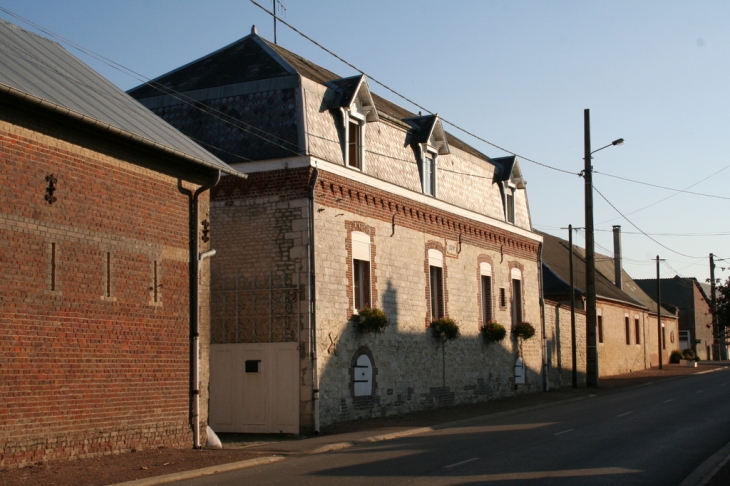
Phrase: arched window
[361,270]
[485,273]
[516,296]
[436,280]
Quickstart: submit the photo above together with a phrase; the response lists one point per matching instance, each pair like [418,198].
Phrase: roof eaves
[27,97]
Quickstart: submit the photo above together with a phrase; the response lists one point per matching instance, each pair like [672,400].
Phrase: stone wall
[411,369]
[559,345]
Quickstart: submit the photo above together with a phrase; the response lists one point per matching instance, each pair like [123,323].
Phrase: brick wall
[702,325]
[90,363]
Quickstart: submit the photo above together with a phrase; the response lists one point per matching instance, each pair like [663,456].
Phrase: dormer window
[356,106]
[355,143]
[428,140]
[509,195]
[429,173]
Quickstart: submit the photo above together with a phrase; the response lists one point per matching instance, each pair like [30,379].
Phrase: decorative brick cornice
[339,192]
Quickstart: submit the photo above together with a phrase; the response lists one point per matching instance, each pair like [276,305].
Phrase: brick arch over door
[435,245]
[351,226]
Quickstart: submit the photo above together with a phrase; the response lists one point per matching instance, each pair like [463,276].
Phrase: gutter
[313,304]
[93,122]
[195,260]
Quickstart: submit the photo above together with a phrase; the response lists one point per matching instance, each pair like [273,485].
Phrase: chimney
[617,254]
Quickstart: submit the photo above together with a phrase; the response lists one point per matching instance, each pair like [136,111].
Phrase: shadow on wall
[398,371]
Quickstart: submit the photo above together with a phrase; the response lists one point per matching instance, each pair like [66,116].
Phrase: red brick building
[98,221]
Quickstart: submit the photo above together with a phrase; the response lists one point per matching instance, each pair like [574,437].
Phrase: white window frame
[352,117]
[518,306]
[485,272]
[429,170]
[361,257]
[436,267]
[509,209]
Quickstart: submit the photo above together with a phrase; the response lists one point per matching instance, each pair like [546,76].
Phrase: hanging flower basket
[525,330]
[493,331]
[445,328]
[371,319]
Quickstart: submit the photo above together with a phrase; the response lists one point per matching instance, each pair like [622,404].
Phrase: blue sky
[517,73]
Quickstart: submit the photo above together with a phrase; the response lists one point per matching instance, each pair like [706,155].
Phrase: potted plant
[445,328]
[525,330]
[371,319]
[493,331]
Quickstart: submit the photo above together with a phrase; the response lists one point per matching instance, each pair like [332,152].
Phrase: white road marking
[564,432]
[670,400]
[699,391]
[625,414]
[462,462]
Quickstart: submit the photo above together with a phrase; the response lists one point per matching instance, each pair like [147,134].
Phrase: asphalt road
[651,435]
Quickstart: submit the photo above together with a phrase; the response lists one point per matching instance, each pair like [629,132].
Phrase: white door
[254,388]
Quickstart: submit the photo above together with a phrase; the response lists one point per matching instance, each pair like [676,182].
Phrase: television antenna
[281,7]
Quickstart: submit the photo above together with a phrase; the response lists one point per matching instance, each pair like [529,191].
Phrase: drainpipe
[546,381]
[313,304]
[195,260]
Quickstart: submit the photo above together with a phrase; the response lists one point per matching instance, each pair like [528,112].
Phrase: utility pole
[572,311]
[591,344]
[659,311]
[713,303]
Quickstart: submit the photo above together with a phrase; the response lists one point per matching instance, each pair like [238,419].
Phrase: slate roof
[41,72]
[556,255]
[677,290]
[253,58]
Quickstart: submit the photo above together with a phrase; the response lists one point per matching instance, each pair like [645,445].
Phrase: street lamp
[591,344]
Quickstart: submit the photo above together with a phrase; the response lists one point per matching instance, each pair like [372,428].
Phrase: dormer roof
[355,91]
[428,129]
[508,170]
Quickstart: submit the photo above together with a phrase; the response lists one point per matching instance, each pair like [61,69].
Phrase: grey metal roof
[42,72]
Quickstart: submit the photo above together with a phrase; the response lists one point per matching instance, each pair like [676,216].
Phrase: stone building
[96,215]
[627,331]
[692,300]
[351,201]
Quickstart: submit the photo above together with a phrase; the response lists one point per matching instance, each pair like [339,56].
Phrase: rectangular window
[502,297]
[361,283]
[155,285]
[599,322]
[664,338]
[510,206]
[437,292]
[353,144]
[516,302]
[429,175]
[486,299]
[637,330]
[628,330]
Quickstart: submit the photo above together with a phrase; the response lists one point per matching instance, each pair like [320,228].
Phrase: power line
[405,97]
[663,187]
[671,195]
[639,229]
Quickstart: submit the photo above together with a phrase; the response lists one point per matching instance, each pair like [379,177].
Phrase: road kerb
[206,471]
[707,470]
